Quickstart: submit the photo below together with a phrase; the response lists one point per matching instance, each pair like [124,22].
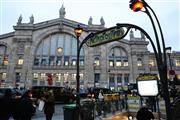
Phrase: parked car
[61,94]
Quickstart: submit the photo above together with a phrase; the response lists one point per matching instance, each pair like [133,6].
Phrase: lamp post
[78,32]
[171,74]
[137,5]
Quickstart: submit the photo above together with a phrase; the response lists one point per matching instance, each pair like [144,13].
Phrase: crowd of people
[20,108]
[24,107]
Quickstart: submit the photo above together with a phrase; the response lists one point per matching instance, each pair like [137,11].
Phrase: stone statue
[62,12]
[131,34]
[90,21]
[31,19]
[102,21]
[142,35]
[20,19]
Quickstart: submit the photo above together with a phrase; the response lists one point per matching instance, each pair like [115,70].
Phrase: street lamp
[59,50]
[137,5]
[78,32]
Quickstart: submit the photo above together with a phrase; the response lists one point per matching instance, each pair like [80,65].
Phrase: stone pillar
[104,67]
[133,67]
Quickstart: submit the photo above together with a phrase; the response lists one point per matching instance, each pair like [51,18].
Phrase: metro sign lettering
[105,36]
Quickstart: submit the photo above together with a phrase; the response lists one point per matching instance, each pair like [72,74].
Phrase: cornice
[3,36]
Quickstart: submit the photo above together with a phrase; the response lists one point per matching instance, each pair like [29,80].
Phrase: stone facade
[116,64]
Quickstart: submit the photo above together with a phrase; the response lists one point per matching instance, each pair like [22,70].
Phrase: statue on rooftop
[19,19]
[62,12]
[31,19]
[102,21]
[90,21]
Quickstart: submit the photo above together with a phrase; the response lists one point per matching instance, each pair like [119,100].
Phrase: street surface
[59,115]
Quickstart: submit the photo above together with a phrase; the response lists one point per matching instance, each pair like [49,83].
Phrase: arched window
[118,57]
[3,55]
[47,52]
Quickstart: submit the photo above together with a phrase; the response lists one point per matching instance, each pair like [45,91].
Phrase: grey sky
[113,11]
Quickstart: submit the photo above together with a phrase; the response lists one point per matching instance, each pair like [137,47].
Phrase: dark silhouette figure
[16,108]
[49,106]
[27,108]
[5,105]
[144,114]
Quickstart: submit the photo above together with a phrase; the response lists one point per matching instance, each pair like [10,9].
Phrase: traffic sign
[106,36]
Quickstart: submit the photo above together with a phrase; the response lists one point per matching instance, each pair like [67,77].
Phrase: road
[59,115]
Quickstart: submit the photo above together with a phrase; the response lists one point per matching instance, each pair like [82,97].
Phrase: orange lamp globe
[78,31]
[137,6]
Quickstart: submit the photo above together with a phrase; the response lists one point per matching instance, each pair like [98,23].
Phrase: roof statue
[131,34]
[142,35]
[31,19]
[90,21]
[62,12]
[102,21]
[19,19]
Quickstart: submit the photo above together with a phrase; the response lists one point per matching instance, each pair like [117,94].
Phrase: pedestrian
[27,107]
[49,106]
[5,105]
[144,114]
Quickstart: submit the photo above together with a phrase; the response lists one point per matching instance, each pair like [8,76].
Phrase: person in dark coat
[5,105]
[27,108]
[144,114]
[49,106]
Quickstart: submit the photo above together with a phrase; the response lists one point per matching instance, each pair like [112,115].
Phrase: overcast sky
[113,11]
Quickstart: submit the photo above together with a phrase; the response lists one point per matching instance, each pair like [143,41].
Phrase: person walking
[5,105]
[49,106]
[144,114]
[27,108]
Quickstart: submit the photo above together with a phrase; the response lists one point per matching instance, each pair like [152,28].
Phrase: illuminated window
[97,61]
[4,76]
[118,63]
[35,75]
[43,76]
[125,62]
[81,76]
[66,61]
[73,62]
[73,76]
[59,77]
[20,61]
[177,62]
[5,62]
[111,63]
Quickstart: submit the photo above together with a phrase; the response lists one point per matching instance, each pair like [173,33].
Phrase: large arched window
[47,51]
[118,57]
